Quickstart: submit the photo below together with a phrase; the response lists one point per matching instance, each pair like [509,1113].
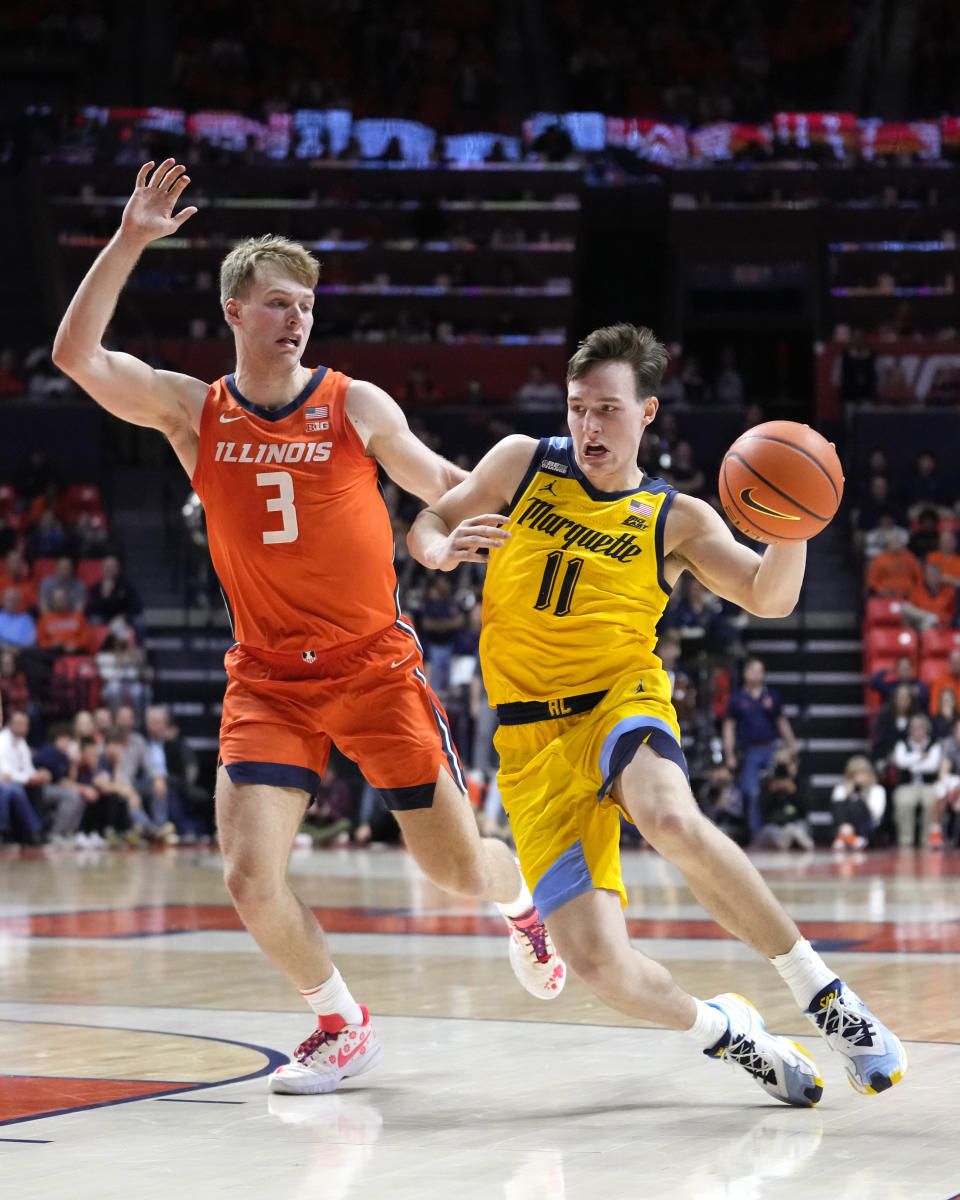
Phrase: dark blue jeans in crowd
[754,761]
[15,805]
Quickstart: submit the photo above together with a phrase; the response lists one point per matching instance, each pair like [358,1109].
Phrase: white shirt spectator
[875,798]
[921,760]
[16,758]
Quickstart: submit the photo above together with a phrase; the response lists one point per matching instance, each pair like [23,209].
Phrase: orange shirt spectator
[67,631]
[948,680]
[894,573]
[942,602]
[15,572]
[947,557]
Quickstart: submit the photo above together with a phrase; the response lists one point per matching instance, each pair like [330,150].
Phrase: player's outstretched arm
[382,427]
[697,539]
[468,523]
[120,383]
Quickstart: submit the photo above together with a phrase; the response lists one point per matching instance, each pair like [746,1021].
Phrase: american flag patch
[641,509]
[316,412]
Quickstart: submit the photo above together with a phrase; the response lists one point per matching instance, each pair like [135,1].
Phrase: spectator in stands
[122,666]
[944,715]
[948,786]
[926,486]
[330,816]
[63,795]
[135,764]
[696,390]
[932,604]
[47,537]
[947,557]
[875,540]
[946,681]
[84,728]
[699,618]
[728,387]
[858,370]
[174,798]
[891,724]
[879,502]
[17,773]
[62,629]
[752,727]
[894,572]
[111,781]
[64,577]
[113,595]
[88,536]
[17,628]
[917,758]
[886,681]
[102,720]
[15,572]
[14,688]
[538,393]
[722,801]
[784,805]
[926,534]
[683,691]
[684,473]
[440,619]
[858,801]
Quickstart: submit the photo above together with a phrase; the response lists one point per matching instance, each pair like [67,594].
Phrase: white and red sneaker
[535,963]
[334,1051]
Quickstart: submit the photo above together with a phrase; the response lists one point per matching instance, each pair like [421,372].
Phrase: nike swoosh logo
[746,495]
[401,662]
[226,420]
[343,1059]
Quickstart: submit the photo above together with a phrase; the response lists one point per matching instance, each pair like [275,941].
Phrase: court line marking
[274,1059]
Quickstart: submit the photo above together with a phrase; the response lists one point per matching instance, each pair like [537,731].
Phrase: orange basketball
[781,482]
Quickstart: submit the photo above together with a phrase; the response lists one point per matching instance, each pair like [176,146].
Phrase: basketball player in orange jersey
[574,590]
[284,460]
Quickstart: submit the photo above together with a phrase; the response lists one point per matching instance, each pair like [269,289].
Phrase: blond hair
[636,345]
[859,762]
[239,269]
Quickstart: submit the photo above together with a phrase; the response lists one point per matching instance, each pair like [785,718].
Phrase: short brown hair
[636,345]
[239,268]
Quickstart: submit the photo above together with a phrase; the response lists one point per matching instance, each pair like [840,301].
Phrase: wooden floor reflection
[128,986]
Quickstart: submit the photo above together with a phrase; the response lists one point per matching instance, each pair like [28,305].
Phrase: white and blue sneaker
[873,1057]
[781,1067]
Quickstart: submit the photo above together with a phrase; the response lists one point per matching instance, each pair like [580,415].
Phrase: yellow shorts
[555,780]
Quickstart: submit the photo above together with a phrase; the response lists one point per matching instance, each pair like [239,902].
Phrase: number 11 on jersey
[550,572]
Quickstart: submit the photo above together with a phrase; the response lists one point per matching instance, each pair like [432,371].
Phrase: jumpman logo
[548,487]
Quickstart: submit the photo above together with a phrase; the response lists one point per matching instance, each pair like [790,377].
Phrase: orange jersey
[299,534]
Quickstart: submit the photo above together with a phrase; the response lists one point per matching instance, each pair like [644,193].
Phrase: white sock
[709,1027]
[331,997]
[522,905]
[804,972]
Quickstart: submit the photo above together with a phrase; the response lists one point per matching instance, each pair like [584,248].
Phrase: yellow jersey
[571,602]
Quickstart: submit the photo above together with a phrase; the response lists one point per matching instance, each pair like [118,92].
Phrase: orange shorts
[370,697]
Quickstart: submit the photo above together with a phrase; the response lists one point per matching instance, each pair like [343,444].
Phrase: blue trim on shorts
[274,775]
[567,878]
[409,799]
[623,741]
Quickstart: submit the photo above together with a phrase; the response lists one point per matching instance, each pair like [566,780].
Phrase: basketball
[781,482]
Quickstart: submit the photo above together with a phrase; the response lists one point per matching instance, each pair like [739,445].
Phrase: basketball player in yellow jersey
[583,549]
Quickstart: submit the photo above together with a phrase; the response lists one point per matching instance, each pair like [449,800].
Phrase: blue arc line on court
[274,1059]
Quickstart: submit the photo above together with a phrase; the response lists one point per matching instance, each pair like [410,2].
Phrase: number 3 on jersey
[283,504]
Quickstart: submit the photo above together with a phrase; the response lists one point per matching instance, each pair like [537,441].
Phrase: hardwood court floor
[137,1022]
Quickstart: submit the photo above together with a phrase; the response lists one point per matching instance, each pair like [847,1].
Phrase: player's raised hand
[149,211]
[473,539]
